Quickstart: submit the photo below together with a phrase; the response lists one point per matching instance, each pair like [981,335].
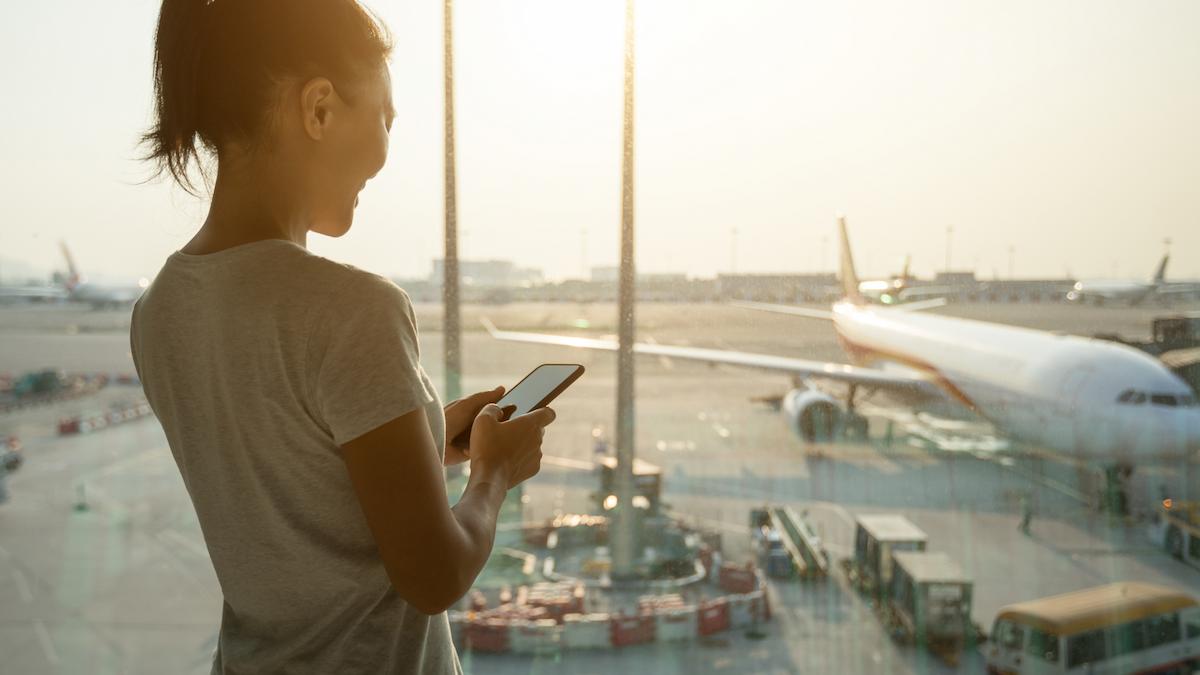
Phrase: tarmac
[103,568]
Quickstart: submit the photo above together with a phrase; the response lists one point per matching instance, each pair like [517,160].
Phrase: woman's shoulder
[350,286]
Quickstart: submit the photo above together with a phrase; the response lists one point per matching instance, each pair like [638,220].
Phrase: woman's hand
[459,416]
[510,450]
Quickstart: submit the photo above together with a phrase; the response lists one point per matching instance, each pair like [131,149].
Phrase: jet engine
[812,415]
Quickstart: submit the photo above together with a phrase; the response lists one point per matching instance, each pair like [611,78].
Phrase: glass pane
[887,317]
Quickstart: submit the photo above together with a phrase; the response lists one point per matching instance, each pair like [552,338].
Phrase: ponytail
[218,63]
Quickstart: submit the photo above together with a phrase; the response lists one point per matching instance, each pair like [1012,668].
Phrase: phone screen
[536,386]
[539,387]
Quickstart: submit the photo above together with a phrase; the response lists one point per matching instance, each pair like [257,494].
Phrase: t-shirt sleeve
[367,361]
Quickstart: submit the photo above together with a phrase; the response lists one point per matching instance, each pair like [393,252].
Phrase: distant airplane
[1131,292]
[900,289]
[1095,400]
[76,289]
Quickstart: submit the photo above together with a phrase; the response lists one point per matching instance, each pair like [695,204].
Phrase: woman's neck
[249,204]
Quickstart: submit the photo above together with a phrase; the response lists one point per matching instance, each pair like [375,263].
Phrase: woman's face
[352,152]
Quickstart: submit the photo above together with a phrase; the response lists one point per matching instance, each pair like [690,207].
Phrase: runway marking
[46,642]
[22,586]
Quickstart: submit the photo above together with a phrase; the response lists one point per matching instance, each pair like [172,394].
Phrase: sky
[1060,138]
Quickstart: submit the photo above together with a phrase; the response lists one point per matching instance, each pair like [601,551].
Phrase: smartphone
[536,390]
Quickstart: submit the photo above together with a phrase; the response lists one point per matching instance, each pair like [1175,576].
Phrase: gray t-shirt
[260,360]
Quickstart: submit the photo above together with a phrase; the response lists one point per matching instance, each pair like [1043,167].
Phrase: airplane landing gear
[854,425]
[1115,498]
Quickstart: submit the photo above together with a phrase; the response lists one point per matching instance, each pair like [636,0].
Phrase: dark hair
[218,63]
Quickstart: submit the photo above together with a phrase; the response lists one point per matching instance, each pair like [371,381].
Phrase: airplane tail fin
[848,275]
[1160,275]
[73,277]
[904,272]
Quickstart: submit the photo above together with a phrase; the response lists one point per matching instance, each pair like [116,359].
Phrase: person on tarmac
[309,438]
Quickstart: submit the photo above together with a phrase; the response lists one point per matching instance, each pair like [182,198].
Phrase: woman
[308,436]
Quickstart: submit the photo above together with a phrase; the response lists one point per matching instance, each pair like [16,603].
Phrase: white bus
[1116,629]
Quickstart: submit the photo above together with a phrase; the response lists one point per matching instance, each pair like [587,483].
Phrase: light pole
[624,536]
[451,318]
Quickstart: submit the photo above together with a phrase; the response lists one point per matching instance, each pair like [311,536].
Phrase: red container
[713,616]
[631,630]
[738,579]
[68,426]
[488,635]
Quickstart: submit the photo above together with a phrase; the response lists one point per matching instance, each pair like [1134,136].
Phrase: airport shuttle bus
[1116,629]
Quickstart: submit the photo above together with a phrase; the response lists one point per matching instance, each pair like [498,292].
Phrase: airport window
[1162,629]
[1085,648]
[1043,645]
[792,374]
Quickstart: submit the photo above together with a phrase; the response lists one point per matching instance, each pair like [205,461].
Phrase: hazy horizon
[1066,131]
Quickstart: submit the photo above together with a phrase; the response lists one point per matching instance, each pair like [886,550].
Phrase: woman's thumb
[491,410]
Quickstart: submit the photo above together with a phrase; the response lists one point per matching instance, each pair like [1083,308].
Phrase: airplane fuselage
[1132,292]
[1088,398]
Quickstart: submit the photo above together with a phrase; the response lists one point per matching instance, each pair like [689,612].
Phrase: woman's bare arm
[432,552]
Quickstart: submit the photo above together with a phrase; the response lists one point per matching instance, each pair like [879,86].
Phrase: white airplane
[98,295]
[77,289]
[1093,400]
[1131,292]
[900,289]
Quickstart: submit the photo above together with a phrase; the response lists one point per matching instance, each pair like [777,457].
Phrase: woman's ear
[317,98]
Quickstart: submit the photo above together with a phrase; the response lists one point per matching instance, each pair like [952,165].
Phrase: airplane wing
[810,313]
[919,305]
[806,312]
[837,372]
[912,293]
[33,292]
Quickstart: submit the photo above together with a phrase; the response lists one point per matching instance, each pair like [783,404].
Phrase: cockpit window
[1164,399]
[1131,397]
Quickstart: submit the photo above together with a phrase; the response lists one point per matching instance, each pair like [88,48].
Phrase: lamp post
[451,317]
[623,536]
